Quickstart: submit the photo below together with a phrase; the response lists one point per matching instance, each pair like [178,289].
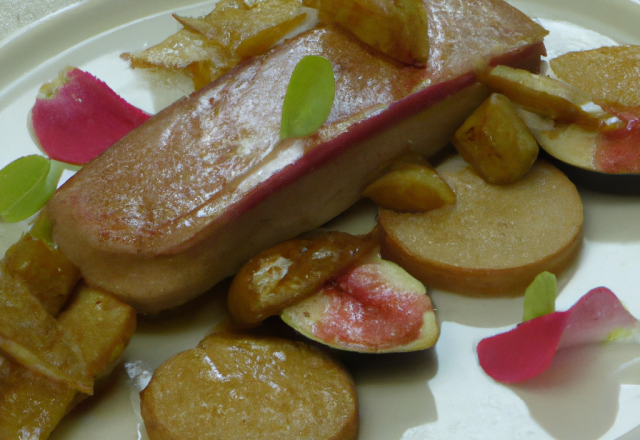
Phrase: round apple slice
[495,239]
[374,308]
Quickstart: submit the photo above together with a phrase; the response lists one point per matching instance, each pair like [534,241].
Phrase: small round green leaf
[540,296]
[26,184]
[309,97]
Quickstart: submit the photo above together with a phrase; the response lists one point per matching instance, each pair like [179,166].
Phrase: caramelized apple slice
[291,271]
[495,239]
[263,40]
[33,404]
[374,308]
[188,52]
[549,97]
[497,142]
[230,26]
[397,28]
[33,337]
[210,46]
[410,185]
[608,74]
[46,272]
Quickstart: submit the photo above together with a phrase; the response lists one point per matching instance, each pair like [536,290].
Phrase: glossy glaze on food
[157,219]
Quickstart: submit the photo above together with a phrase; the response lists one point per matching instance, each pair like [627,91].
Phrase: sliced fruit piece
[397,28]
[188,52]
[549,97]
[32,404]
[607,161]
[410,185]
[158,240]
[263,40]
[496,142]
[45,272]
[228,27]
[291,271]
[495,239]
[608,74]
[210,46]
[374,308]
[35,339]
[76,117]
[527,350]
[237,386]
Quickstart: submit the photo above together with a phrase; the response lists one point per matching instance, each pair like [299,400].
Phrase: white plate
[440,393]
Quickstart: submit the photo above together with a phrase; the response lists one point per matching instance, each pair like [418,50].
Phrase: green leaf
[26,185]
[309,98]
[540,296]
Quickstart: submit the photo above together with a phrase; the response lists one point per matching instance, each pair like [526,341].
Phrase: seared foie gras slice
[184,200]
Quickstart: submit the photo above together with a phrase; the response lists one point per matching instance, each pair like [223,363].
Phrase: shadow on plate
[577,397]
[393,392]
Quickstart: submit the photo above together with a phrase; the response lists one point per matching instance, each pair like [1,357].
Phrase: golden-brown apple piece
[549,97]
[245,387]
[398,28]
[31,404]
[29,334]
[495,239]
[291,271]
[376,307]
[611,159]
[46,272]
[210,46]
[187,198]
[496,142]
[410,185]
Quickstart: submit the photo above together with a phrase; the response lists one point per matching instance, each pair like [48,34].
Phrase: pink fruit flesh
[367,310]
[82,119]
[618,151]
[527,350]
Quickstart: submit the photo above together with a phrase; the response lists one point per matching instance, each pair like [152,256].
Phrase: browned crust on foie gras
[245,387]
[492,260]
[184,200]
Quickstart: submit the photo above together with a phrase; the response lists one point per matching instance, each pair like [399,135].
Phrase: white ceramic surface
[437,394]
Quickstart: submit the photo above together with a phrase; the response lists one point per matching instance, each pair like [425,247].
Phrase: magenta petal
[82,119]
[594,317]
[527,350]
[523,352]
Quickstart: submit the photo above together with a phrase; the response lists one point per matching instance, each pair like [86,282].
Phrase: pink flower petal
[83,118]
[527,350]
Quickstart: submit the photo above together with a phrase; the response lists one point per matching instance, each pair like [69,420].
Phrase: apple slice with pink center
[374,308]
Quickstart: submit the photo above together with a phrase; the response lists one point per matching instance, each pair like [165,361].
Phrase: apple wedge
[184,200]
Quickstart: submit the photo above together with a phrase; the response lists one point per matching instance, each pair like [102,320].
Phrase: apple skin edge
[104,218]
[624,184]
